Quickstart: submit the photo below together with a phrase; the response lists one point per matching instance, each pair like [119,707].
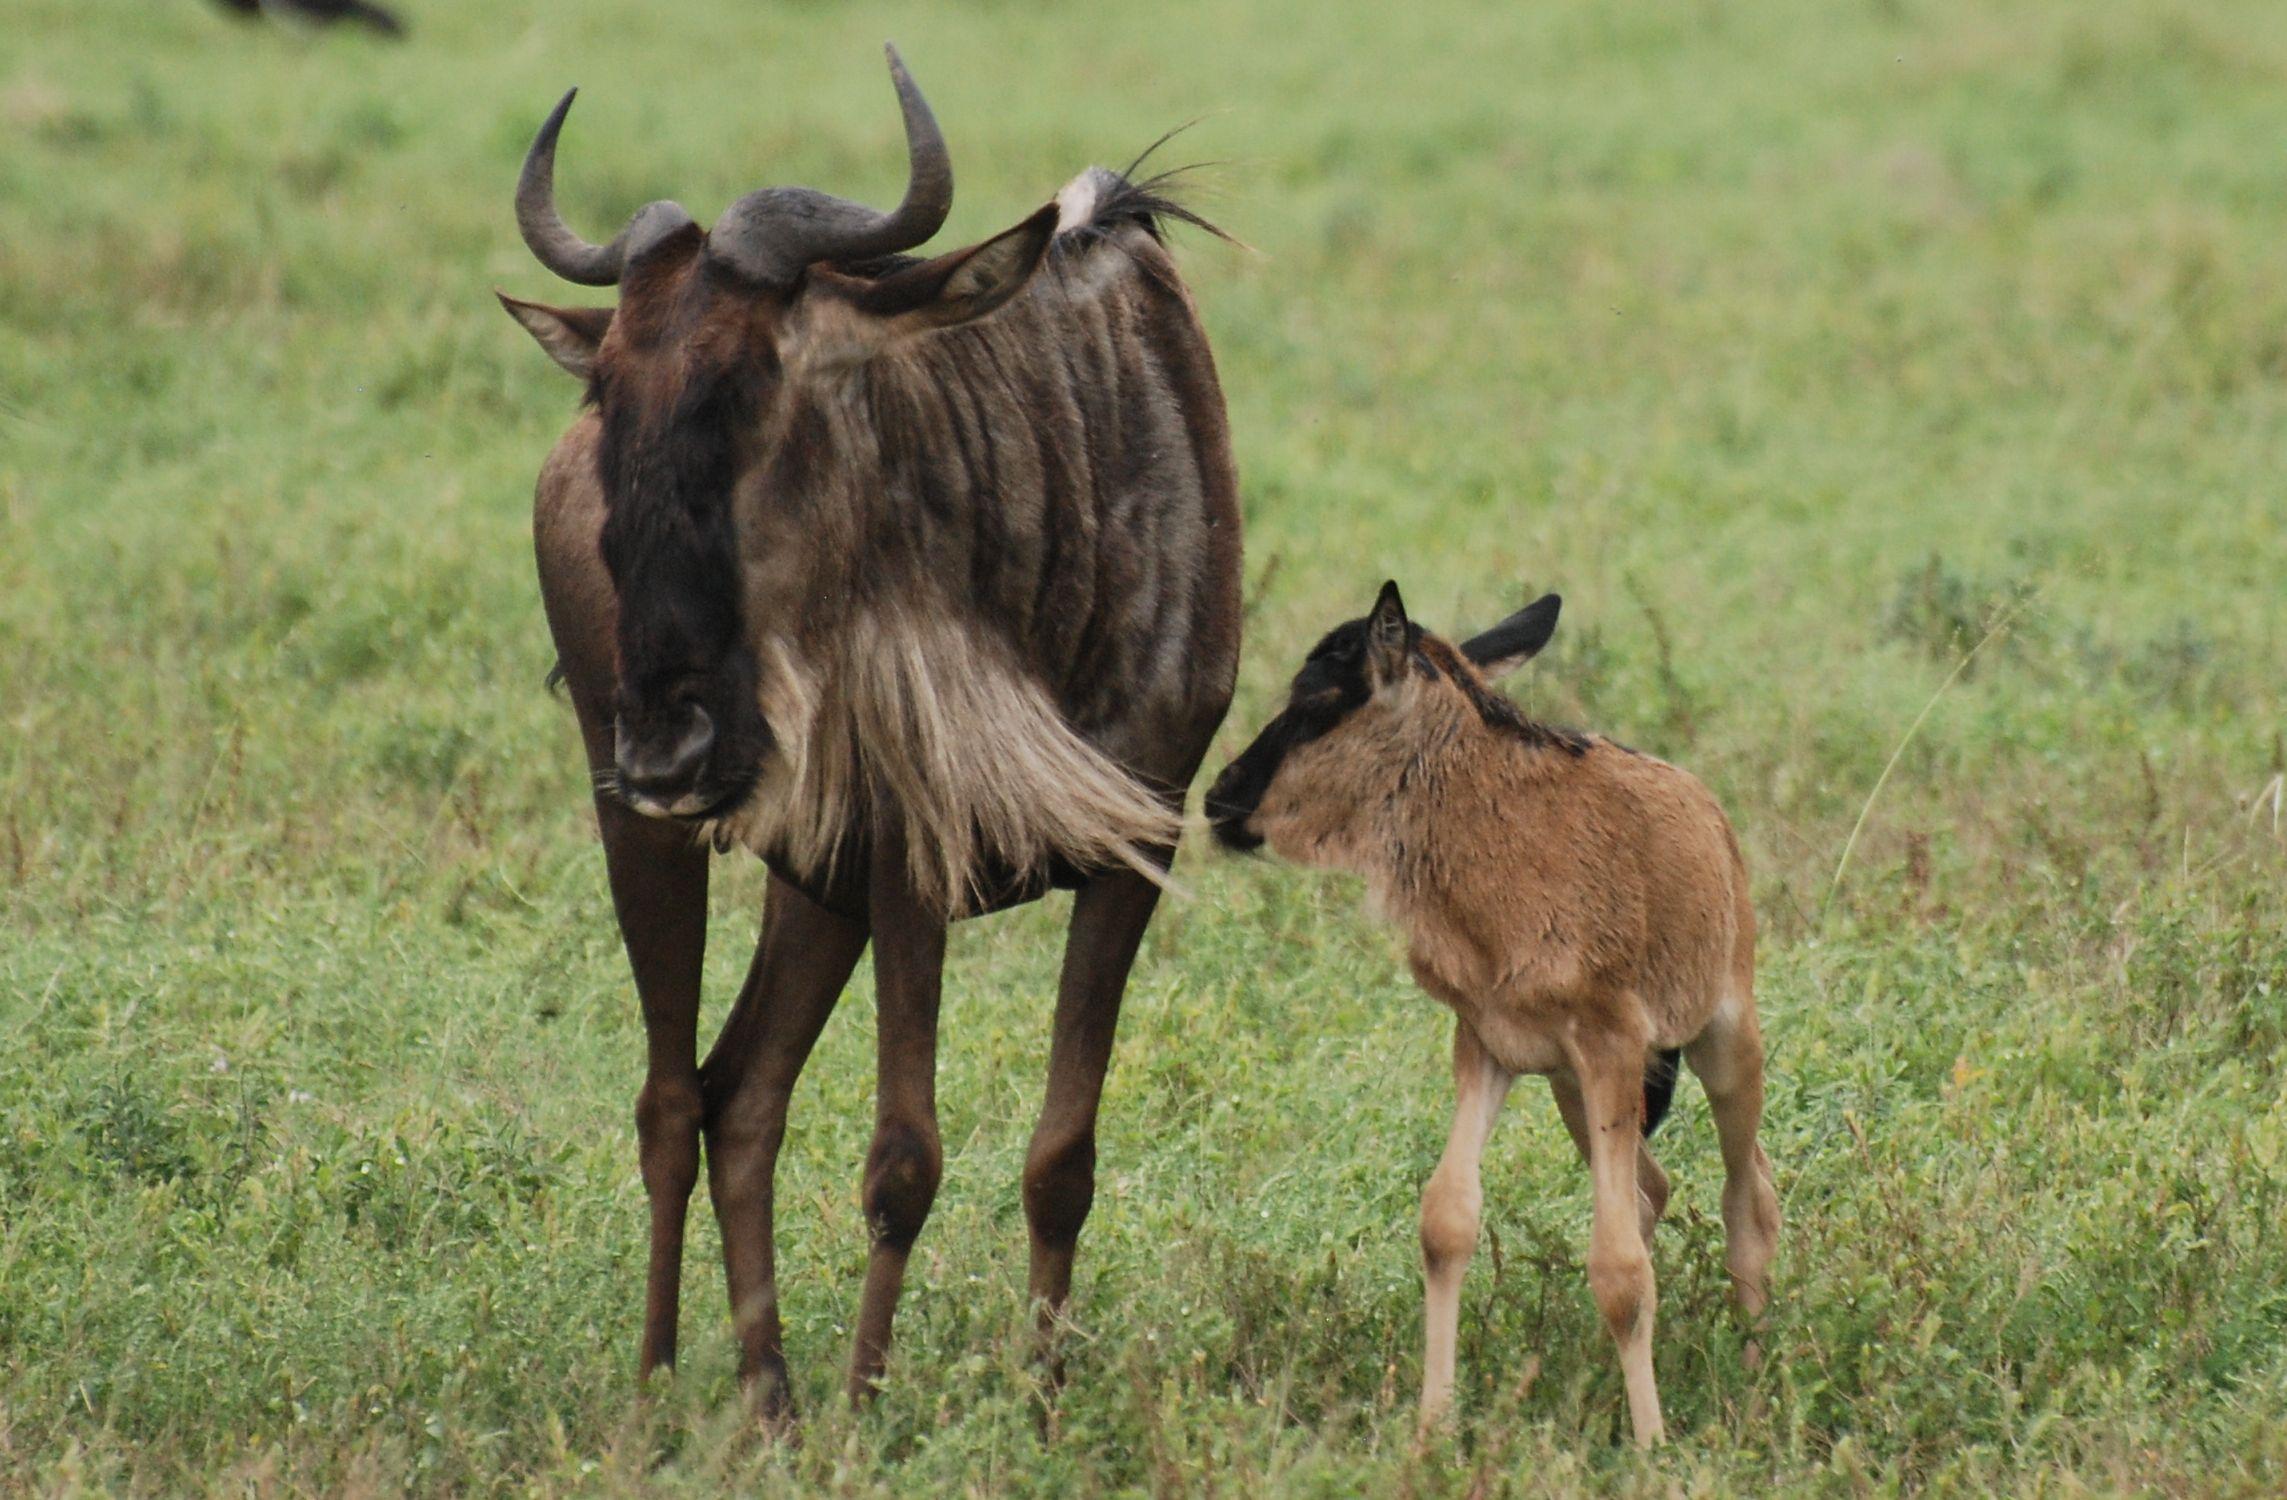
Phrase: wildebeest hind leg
[1108,920]
[1728,1057]
[1610,1068]
[800,965]
[1651,1178]
[903,1167]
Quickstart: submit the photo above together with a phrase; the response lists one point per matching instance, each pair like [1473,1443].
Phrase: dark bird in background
[323,12]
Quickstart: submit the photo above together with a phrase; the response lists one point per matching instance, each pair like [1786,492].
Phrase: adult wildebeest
[919,579]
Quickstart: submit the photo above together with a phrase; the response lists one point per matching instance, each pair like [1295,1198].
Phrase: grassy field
[1799,343]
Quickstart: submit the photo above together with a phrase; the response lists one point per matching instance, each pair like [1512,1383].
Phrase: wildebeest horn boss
[918,578]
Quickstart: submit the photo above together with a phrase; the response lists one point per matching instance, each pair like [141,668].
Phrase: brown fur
[986,572]
[945,555]
[1578,905]
[944,674]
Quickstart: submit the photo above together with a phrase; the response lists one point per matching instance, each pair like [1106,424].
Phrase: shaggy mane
[1495,708]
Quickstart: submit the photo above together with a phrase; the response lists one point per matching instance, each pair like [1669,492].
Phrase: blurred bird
[323,12]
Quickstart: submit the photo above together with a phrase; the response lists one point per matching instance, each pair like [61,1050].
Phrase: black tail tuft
[555,682]
[1659,1088]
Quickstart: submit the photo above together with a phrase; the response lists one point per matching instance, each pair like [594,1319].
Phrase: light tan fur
[1577,905]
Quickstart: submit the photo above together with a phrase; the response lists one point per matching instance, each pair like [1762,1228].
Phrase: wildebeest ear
[965,284]
[1516,640]
[1387,635]
[569,334]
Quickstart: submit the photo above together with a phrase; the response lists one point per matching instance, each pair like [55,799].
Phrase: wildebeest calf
[1583,909]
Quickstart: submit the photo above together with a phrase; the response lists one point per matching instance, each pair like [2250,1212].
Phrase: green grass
[1792,341]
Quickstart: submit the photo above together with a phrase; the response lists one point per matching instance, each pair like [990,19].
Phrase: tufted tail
[1659,1088]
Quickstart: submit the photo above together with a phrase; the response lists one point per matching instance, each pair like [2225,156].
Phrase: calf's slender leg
[1611,1076]
[1728,1057]
[906,1160]
[1108,920]
[1450,1206]
[800,965]
[1651,1180]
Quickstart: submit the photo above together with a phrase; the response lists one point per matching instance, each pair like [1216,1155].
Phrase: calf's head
[1370,685]
[698,376]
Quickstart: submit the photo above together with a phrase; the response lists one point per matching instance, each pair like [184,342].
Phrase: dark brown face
[681,373]
[680,381]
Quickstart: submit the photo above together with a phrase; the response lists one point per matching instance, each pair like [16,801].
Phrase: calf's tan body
[1579,906]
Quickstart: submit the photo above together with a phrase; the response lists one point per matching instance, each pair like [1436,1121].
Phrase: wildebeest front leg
[659,891]
[659,887]
[1451,1204]
[1108,920]
[903,1168]
[658,875]
[800,965]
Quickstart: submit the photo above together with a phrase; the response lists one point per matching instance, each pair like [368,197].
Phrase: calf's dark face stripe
[1335,681]
[1330,687]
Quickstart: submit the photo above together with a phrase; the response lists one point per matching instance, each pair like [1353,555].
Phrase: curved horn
[770,235]
[552,241]
[549,238]
[928,174]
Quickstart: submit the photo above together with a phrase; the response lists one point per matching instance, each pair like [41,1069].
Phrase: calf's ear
[1516,640]
[570,335]
[1388,636]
